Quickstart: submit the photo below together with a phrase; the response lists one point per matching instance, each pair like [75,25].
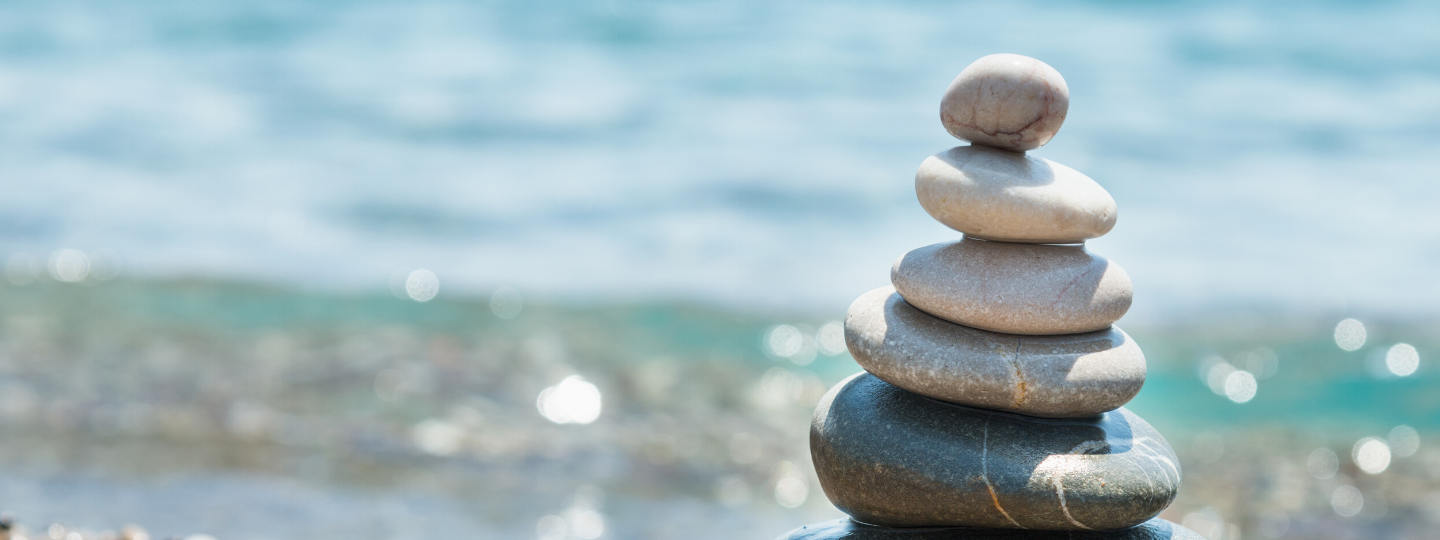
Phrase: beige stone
[1001,195]
[1034,289]
[1064,376]
[1007,101]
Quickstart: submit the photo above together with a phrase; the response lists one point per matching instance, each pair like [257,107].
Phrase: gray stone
[1065,376]
[891,457]
[1014,288]
[847,529]
[1012,197]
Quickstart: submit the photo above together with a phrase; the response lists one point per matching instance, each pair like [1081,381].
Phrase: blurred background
[573,270]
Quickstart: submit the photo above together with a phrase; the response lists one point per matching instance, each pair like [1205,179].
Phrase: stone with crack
[1006,101]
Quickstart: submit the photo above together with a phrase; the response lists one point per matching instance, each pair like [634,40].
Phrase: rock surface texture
[846,529]
[1006,101]
[1009,196]
[1070,375]
[991,402]
[892,457]
[1014,288]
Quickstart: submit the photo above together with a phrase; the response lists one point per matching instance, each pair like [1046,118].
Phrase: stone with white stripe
[895,458]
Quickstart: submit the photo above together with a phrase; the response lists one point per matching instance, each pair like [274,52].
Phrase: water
[733,151]
[254,412]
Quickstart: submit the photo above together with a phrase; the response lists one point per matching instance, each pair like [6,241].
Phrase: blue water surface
[738,151]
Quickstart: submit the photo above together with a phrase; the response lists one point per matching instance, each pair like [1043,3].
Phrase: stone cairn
[990,404]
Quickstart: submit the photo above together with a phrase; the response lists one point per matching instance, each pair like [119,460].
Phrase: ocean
[729,151]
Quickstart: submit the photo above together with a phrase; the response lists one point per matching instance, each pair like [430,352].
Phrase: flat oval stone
[895,458]
[1064,376]
[1033,289]
[999,195]
[1007,101]
[848,529]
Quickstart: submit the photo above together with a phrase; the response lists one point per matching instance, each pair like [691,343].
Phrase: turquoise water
[732,151]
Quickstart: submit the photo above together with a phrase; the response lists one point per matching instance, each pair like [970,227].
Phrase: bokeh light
[1215,371]
[791,489]
[438,437]
[1350,334]
[422,285]
[584,523]
[784,340]
[506,302]
[831,338]
[551,527]
[1208,523]
[1240,386]
[1404,441]
[1371,455]
[1402,359]
[1323,463]
[69,265]
[573,401]
[1347,501]
[791,343]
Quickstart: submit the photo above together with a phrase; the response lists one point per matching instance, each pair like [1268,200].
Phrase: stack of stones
[990,404]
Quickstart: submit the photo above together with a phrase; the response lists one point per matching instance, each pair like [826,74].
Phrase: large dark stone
[891,457]
[846,529]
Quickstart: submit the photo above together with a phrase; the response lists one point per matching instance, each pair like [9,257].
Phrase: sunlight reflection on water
[573,401]
[1350,334]
[1402,359]
[1372,455]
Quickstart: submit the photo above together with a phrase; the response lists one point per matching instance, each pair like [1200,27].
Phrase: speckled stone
[1001,195]
[1065,376]
[891,457]
[1033,289]
[1007,101]
[847,529]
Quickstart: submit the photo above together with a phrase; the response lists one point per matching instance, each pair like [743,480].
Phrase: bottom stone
[847,529]
[895,458]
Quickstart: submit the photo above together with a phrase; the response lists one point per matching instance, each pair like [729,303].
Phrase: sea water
[738,151]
